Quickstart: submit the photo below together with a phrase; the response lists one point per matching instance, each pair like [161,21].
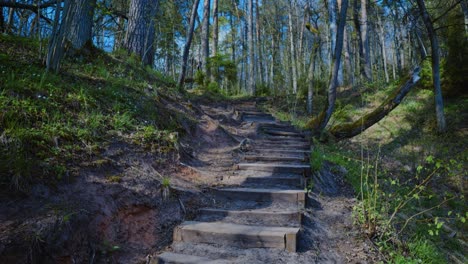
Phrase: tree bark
[348,64]
[9,22]
[205,38]
[2,20]
[215,27]
[355,128]
[56,48]
[310,78]
[141,29]
[250,43]
[439,103]
[384,50]
[360,22]
[332,5]
[292,48]
[259,45]
[464,6]
[322,120]
[80,32]
[188,43]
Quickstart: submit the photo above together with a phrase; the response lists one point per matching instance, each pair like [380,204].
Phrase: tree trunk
[215,27]
[250,43]
[322,120]
[141,29]
[464,6]
[233,36]
[80,32]
[214,75]
[310,78]
[439,103]
[56,48]
[205,39]
[384,50]
[292,48]
[396,39]
[188,43]
[360,22]
[363,123]
[332,5]
[9,23]
[348,63]
[300,52]
[259,44]
[2,20]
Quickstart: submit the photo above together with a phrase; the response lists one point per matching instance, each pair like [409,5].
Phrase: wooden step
[254,113]
[274,167]
[259,119]
[269,217]
[284,139]
[280,158]
[295,197]
[283,133]
[280,147]
[270,150]
[243,236]
[285,143]
[293,181]
[175,258]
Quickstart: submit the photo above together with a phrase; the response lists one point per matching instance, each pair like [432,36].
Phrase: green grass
[49,121]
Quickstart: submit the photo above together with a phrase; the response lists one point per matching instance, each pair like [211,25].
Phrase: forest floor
[114,211]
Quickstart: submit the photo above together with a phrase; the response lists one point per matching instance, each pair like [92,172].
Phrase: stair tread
[233,229]
[171,257]
[282,165]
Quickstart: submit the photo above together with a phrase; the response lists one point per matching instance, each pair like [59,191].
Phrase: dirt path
[113,211]
[255,163]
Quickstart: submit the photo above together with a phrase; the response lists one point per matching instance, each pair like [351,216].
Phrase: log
[352,129]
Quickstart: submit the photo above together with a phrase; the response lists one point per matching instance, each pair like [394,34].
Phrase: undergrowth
[410,181]
[48,122]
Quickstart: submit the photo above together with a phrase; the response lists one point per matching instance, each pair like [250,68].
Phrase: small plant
[122,121]
[114,178]
[165,187]
[316,159]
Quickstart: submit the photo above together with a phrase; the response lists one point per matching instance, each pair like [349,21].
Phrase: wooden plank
[244,236]
[267,217]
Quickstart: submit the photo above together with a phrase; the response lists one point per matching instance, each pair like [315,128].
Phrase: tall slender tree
[435,57]
[325,116]
[250,44]
[360,21]
[205,38]
[292,47]
[188,43]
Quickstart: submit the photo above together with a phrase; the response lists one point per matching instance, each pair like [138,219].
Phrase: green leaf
[431,233]
[430,159]
[419,168]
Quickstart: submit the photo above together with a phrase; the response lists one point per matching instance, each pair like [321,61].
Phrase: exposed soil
[114,211]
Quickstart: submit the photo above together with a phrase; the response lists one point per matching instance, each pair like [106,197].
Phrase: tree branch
[33,7]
